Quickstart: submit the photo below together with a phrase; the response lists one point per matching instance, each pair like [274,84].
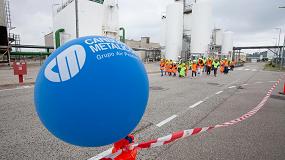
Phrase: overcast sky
[252,21]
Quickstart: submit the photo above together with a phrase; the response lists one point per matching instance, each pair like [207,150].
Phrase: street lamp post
[279,49]
[282,53]
[76,19]
[283,49]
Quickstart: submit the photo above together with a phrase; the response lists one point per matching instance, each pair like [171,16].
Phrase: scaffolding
[13,39]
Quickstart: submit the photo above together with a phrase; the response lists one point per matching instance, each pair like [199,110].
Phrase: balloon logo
[92,91]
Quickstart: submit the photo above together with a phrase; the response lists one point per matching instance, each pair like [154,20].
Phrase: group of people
[197,67]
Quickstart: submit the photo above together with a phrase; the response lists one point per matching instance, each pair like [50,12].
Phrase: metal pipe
[123,38]
[57,37]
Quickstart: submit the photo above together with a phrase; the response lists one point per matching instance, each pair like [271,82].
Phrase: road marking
[247,69]
[254,70]
[206,98]
[232,87]
[258,82]
[166,121]
[272,81]
[196,104]
[219,92]
[18,88]
[102,155]
[245,84]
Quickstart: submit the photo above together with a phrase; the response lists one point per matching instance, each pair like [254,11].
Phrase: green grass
[273,67]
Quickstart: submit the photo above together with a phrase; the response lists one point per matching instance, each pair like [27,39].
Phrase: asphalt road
[174,104]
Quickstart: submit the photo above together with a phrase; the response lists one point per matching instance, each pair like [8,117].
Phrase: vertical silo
[163,30]
[174,30]
[202,27]
[187,34]
[3,26]
[111,19]
[187,24]
[218,37]
[163,34]
[227,47]
[94,18]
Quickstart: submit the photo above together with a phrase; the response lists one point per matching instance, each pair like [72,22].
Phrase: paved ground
[220,99]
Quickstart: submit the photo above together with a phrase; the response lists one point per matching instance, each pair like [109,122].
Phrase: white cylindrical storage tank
[227,47]
[62,19]
[219,36]
[174,30]
[201,27]
[93,24]
[163,34]
[111,18]
[65,18]
[187,24]
[163,31]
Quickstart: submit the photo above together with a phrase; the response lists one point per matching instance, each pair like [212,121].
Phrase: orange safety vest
[169,68]
[162,64]
[209,63]
[226,63]
[165,67]
[194,67]
[174,69]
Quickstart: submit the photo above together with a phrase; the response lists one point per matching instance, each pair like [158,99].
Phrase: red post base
[21,79]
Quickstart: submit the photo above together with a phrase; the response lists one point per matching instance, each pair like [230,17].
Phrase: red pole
[21,79]
[284,89]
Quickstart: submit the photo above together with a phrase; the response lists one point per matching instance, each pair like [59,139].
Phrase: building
[49,40]
[146,50]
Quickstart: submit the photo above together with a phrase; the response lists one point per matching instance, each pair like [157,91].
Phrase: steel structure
[237,50]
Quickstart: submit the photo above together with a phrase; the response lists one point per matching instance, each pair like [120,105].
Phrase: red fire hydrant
[127,154]
[20,69]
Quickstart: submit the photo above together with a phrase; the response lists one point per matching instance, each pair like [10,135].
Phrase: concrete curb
[9,86]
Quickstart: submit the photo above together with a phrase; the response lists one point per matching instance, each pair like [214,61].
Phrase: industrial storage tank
[90,18]
[187,24]
[111,19]
[227,47]
[218,37]
[201,27]
[163,34]
[174,30]
[94,18]
[163,30]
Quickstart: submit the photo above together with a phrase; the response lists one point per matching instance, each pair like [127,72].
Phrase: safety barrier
[190,132]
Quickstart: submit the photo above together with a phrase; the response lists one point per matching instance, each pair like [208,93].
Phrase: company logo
[69,62]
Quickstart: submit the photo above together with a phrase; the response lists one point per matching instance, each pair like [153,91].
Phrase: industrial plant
[188,31]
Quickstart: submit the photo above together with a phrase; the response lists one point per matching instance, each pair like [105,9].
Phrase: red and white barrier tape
[190,132]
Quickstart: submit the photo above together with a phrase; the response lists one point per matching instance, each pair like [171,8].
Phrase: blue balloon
[92,91]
